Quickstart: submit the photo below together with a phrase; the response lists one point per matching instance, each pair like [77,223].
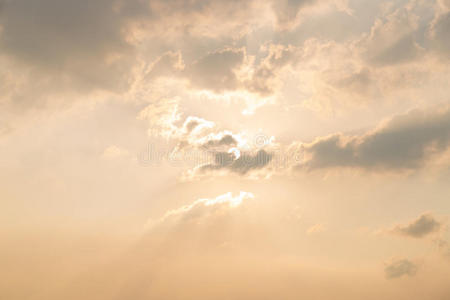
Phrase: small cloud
[399,268]
[420,227]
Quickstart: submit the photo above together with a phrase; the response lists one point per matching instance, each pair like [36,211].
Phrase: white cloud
[204,208]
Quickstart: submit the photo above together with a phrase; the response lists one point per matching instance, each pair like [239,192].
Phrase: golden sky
[224,149]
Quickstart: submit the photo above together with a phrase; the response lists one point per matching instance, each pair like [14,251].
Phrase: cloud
[265,74]
[200,139]
[358,82]
[421,227]
[392,40]
[221,139]
[399,58]
[287,11]
[443,247]
[229,69]
[241,165]
[194,132]
[405,142]
[203,208]
[205,225]
[162,114]
[168,64]
[439,35]
[83,42]
[445,3]
[57,52]
[217,71]
[399,268]
[220,150]
[176,19]
[56,48]
[208,142]
[196,125]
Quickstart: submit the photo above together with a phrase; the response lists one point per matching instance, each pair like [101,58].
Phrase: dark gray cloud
[243,164]
[198,133]
[85,41]
[421,227]
[191,125]
[57,46]
[226,140]
[213,142]
[399,268]
[405,142]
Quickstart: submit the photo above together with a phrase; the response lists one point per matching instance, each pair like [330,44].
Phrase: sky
[224,149]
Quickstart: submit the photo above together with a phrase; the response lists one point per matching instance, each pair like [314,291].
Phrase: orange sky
[212,149]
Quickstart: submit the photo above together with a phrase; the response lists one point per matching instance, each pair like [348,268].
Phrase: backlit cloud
[403,143]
